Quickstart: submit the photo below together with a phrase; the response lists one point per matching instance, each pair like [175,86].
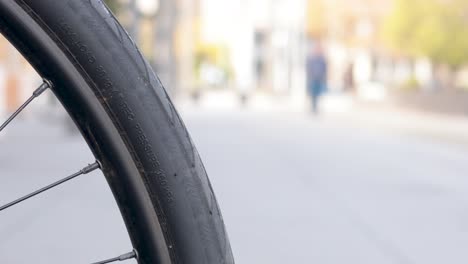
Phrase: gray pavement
[77,222]
[293,189]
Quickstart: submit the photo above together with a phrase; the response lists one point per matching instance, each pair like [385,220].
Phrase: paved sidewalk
[344,109]
[77,222]
[299,189]
[438,127]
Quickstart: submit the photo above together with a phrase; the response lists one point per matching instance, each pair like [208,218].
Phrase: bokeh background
[376,174]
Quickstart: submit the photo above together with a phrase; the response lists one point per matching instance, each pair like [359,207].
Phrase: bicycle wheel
[130,124]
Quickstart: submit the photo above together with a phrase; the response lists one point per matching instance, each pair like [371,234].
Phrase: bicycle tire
[130,124]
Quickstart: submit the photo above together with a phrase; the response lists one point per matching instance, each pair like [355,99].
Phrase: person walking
[316,75]
[348,79]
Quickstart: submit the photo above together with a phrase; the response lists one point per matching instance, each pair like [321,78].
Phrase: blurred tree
[216,55]
[437,29]
[114,5]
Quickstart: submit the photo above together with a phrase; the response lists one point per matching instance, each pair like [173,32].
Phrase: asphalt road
[293,189]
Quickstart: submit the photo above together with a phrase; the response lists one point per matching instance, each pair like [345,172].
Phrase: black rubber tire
[124,113]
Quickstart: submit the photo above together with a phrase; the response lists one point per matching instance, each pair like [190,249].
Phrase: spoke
[123,257]
[85,170]
[44,86]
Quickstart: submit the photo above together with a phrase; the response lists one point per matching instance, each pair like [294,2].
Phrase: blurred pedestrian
[316,75]
[348,79]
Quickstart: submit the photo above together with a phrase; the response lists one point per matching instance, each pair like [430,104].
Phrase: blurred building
[351,30]
[164,53]
[185,40]
[9,77]
[17,78]
[265,39]
[280,43]
[166,36]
